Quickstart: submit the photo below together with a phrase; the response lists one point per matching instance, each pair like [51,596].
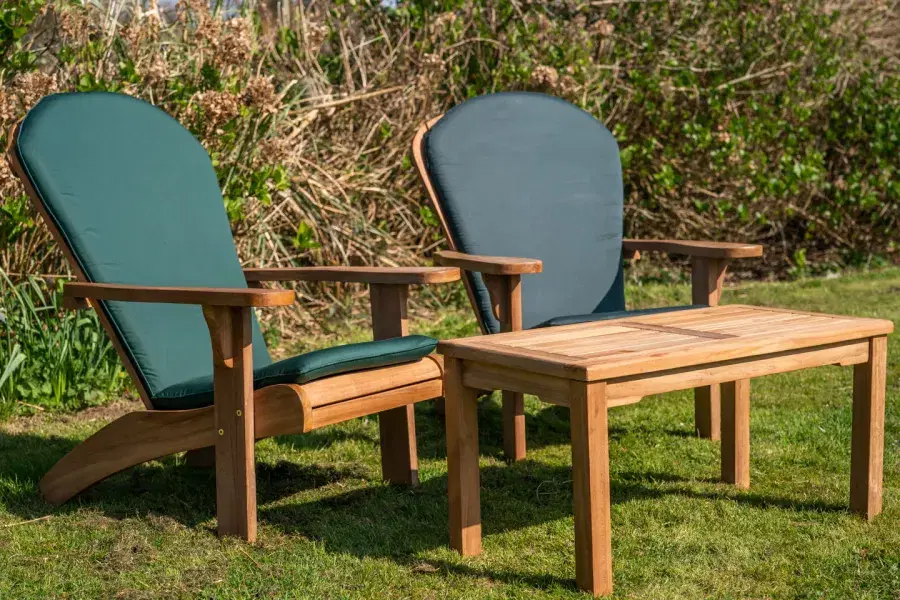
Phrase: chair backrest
[530,175]
[134,199]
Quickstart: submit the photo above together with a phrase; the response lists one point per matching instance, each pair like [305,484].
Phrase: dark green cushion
[306,367]
[619,314]
[137,199]
[523,174]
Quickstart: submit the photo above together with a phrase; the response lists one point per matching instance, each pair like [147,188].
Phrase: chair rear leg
[399,455]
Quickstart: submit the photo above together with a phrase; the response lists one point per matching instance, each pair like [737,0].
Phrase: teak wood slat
[591,367]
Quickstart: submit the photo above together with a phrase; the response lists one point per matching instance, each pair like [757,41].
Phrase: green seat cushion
[530,175]
[198,392]
[138,202]
[619,314]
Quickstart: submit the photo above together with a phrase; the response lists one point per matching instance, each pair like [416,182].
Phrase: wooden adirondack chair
[517,174]
[133,202]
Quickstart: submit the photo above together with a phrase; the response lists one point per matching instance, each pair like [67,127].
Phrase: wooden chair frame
[502,277]
[240,415]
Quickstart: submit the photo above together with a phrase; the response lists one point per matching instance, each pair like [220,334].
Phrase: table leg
[590,479]
[463,486]
[514,425]
[707,407]
[867,445]
[736,433]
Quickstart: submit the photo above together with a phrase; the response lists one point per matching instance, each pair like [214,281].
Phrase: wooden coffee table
[590,367]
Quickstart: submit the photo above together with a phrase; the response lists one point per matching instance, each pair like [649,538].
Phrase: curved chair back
[132,197]
[530,175]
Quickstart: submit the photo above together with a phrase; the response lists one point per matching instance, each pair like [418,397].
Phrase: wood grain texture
[231,335]
[386,275]
[179,295]
[590,482]
[340,388]
[867,446]
[491,265]
[616,359]
[506,295]
[736,433]
[146,435]
[705,249]
[397,426]
[707,282]
[463,479]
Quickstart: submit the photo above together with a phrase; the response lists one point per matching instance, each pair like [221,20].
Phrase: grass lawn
[329,528]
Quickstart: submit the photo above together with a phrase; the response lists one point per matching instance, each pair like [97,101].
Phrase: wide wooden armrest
[489,265]
[698,249]
[75,293]
[376,275]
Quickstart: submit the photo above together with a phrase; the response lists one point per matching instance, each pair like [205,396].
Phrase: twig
[247,554]
[34,406]
[44,518]
[356,97]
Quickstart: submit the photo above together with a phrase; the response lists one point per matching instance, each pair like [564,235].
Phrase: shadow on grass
[373,520]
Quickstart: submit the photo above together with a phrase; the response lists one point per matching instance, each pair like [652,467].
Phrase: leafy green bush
[50,357]
[775,121]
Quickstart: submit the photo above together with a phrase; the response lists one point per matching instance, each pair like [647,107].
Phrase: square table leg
[463,486]
[590,479]
[867,444]
[736,433]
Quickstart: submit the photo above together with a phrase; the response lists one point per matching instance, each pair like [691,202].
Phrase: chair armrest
[372,275]
[696,249]
[489,265]
[75,293]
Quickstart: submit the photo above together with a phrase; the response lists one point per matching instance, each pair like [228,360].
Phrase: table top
[662,341]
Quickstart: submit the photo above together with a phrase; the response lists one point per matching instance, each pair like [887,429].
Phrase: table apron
[624,390]
[840,353]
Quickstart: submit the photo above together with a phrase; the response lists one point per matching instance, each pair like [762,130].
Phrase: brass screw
[221,432]
[239,412]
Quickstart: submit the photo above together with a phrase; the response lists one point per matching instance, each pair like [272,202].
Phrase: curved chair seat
[198,392]
[617,314]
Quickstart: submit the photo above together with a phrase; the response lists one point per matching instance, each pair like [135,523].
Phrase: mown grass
[330,529]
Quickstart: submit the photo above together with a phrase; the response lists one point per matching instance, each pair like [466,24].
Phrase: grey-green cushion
[306,367]
[137,199]
[618,314]
[524,174]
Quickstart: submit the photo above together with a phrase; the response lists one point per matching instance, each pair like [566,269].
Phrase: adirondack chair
[514,175]
[132,199]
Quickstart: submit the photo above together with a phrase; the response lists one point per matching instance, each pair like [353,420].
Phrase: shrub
[52,358]
[775,121]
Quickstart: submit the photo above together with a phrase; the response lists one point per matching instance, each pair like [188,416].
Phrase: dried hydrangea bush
[774,123]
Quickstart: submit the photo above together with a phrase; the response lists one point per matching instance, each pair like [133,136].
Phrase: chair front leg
[397,427]
[231,336]
[707,278]
[506,298]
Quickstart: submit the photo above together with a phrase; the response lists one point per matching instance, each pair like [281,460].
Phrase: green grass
[330,529]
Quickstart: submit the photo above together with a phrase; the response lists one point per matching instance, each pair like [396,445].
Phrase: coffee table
[590,367]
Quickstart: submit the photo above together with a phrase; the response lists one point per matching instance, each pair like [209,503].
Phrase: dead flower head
[158,70]
[544,77]
[260,94]
[314,34]
[219,108]
[602,28]
[32,86]
[275,151]
[236,43]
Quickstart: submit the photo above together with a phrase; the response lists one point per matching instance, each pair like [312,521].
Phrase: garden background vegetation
[773,121]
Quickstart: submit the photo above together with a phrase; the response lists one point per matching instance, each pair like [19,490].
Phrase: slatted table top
[662,341]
